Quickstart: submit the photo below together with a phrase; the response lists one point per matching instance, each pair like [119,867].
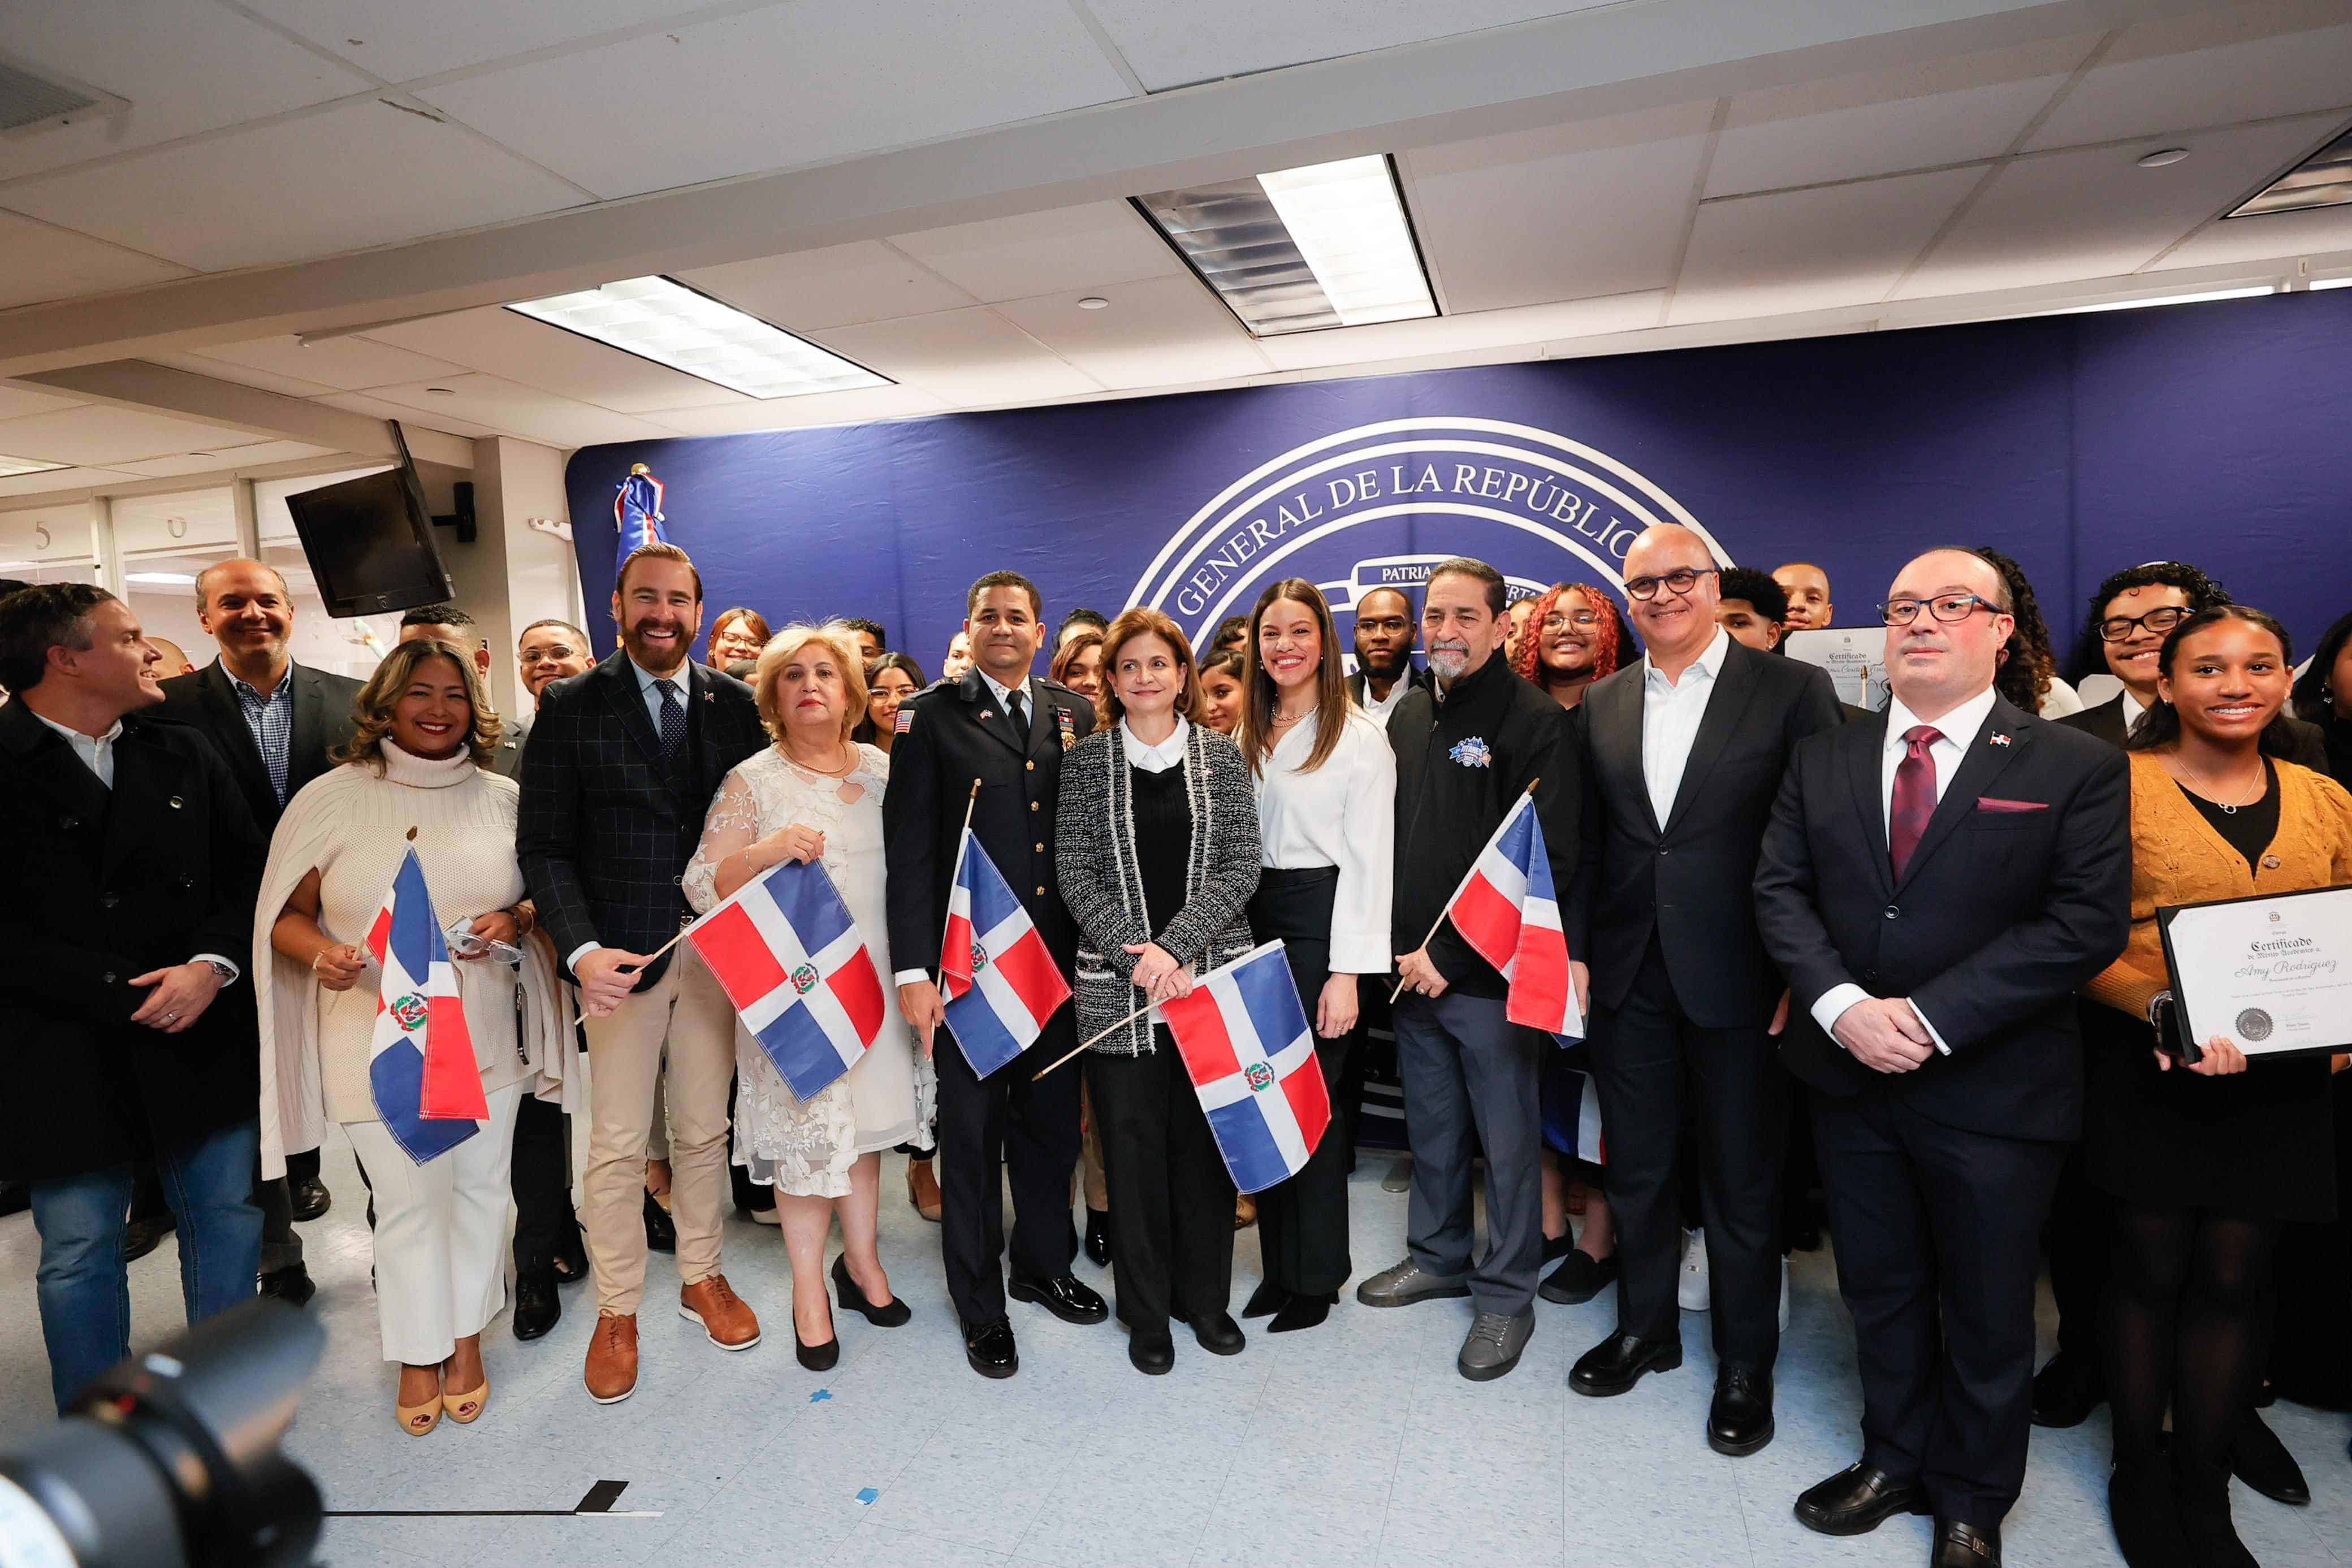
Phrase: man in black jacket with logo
[1466,750]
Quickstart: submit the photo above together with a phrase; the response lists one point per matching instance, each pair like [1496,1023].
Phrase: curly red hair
[1604,630]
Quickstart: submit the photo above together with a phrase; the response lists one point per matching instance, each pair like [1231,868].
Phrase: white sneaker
[1693,1294]
[1784,1295]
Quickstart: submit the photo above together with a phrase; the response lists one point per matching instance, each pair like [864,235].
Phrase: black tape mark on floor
[599,1500]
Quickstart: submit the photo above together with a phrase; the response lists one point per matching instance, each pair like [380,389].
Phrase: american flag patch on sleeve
[905,721]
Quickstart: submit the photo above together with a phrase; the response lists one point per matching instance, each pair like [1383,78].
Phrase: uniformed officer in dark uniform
[1006,728]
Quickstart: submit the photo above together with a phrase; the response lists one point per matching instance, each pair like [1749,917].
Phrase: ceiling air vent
[27,100]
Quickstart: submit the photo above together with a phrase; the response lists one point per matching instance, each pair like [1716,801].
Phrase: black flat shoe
[536,1306]
[1740,1421]
[661,1234]
[815,1357]
[1061,1295]
[2258,1458]
[1219,1334]
[1302,1312]
[1153,1354]
[291,1285]
[2067,1390]
[309,1199]
[846,1292]
[990,1349]
[1856,1500]
[142,1236]
[1265,1301]
[1559,1247]
[1619,1362]
[1961,1545]
[1098,1238]
[1579,1278]
[2144,1509]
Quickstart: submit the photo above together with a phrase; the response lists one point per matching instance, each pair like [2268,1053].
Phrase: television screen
[369,543]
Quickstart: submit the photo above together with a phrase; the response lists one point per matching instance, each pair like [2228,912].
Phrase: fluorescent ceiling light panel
[11,466]
[2146,300]
[161,579]
[1299,250]
[2322,180]
[661,320]
[2345,282]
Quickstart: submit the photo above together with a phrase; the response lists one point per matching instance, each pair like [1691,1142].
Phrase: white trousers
[440,1234]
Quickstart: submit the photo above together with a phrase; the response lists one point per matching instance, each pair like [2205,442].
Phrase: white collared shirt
[1159,759]
[1004,694]
[1344,815]
[2133,708]
[1671,715]
[1378,709]
[1957,730]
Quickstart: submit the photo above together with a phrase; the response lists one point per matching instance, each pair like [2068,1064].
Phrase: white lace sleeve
[733,824]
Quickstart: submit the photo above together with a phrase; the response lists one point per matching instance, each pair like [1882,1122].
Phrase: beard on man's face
[1385,663]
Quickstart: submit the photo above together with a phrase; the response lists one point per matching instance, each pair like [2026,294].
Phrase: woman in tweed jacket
[1157,850]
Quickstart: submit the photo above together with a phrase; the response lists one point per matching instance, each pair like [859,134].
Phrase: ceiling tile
[337,364]
[1567,213]
[1476,332]
[185,67]
[358,174]
[797,412]
[226,457]
[18,400]
[54,479]
[48,263]
[449,424]
[1204,41]
[970,357]
[514,409]
[1811,250]
[424,38]
[835,286]
[538,355]
[2268,236]
[1161,332]
[2092,213]
[787,87]
[1956,111]
[1037,254]
[102,434]
[2203,70]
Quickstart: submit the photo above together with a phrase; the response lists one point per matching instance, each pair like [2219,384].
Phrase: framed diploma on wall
[2271,973]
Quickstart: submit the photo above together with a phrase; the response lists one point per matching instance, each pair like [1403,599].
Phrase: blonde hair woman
[815,795]
[415,775]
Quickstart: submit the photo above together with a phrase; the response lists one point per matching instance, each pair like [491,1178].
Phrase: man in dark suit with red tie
[1937,883]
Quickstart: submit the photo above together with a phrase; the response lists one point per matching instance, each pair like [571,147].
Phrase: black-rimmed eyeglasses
[2163,618]
[1946,607]
[1681,580]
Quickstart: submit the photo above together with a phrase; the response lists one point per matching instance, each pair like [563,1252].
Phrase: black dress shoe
[1961,1545]
[1219,1334]
[309,1198]
[1579,1278]
[845,1291]
[2067,1390]
[661,1233]
[1153,1354]
[1061,1295]
[572,1259]
[536,1307]
[1098,1238]
[1856,1500]
[1617,1363]
[141,1236]
[2144,1506]
[290,1285]
[1739,1422]
[2258,1458]
[1302,1312]
[990,1349]
[815,1357]
[1265,1301]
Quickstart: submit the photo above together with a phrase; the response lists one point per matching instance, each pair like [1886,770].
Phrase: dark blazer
[99,886]
[605,830]
[957,733]
[2001,917]
[507,760]
[1700,863]
[2105,720]
[323,723]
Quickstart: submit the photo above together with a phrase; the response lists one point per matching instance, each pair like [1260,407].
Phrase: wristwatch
[228,975]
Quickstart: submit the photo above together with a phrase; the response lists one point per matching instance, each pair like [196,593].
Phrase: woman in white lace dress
[815,795]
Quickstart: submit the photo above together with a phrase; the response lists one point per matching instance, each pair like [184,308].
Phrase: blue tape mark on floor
[821,1396]
[867,1495]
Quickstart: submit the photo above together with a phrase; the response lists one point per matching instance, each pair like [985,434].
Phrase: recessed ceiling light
[1093,302]
[1326,244]
[2143,302]
[11,466]
[2163,158]
[2322,180]
[661,320]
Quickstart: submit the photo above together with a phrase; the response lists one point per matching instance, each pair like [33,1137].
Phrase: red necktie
[1915,796]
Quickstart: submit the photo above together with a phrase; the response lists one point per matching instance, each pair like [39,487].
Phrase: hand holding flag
[1507,910]
[784,949]
[1000,983]
[421,1068]
[1246,1046]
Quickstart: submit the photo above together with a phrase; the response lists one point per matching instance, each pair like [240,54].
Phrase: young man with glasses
[1684,752]
[1384,636]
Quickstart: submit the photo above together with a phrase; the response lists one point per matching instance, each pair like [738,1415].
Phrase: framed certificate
[2271,974]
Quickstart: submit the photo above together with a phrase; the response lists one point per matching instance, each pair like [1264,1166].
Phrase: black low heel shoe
[853,1300]
[1302,1312]
[1265,1301]
[815,1357]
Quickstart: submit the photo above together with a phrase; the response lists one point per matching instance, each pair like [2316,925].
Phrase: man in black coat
[1937,883]
[1684,752]
[1002,728]
[126,919]
[275,723]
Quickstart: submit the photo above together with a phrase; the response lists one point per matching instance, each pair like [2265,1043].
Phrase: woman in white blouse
[1327,817]
[816,795]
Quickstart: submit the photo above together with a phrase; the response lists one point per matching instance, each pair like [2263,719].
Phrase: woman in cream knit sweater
[417,775]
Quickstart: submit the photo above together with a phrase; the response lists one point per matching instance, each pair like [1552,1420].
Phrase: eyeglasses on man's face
[2163,618]
[1946,607]
[1681,580]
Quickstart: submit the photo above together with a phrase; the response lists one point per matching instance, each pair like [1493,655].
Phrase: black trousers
[1656,1071]
[1171,1202]
[992,1127]
[541,1173]
[1936,1229]
[1303,1222]
[2082,1231]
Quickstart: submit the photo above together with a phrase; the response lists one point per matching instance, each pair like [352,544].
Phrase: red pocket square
[1990,803]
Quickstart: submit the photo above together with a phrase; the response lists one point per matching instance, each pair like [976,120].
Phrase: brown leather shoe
[923,1189]
[713,1303]
[613,1358]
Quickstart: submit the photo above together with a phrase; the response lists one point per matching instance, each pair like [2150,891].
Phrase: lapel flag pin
[2001,739]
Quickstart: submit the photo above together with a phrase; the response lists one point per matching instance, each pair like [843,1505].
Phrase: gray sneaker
[1494,1345]
[1405,1284]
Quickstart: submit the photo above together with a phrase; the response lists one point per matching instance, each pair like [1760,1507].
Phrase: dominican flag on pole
[1245,1042]
[1507,910]
[1000,983]
[421,1066]
[789,957]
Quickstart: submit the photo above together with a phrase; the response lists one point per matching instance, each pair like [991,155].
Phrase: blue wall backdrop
[2220,434]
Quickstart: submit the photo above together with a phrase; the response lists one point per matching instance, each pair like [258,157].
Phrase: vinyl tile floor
[1355,1443]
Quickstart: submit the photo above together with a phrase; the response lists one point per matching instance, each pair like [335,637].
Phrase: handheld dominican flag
[637,509]
[1000,983]
[421,1066]
[1245,1042]
[789,957]
[1507,911]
